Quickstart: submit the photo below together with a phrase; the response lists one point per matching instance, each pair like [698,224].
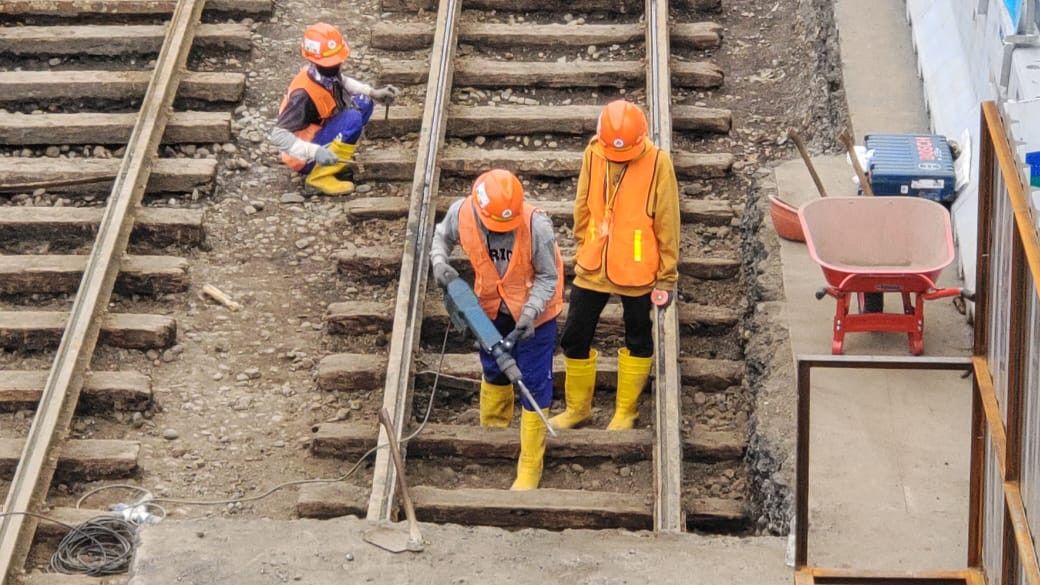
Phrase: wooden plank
[71,8]
[398,164]
[425,174]
[60,579]
[705,374]
[97,128]
[113,40]
[351,371]
[169,175]
[22,86]
[480,72]
[158,226]
[382,264]
[544,508]
[619,6]
[714,514]
[89,319]
[331,500]
[81,459]
[364,372]
[347,318]
[667,460]
[56,274]
[49,530]
[511,120]
[701,211]
[347,440]
[127,390]
[37,330]
[412,36]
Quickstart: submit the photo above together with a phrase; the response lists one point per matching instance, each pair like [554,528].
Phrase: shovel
[797,139]
[846,138]
[387,537]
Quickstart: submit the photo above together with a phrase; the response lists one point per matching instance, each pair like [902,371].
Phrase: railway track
[101,192]
[518,85]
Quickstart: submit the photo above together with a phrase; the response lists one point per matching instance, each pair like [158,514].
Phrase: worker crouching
[626,225]
[324,113]
[518,280]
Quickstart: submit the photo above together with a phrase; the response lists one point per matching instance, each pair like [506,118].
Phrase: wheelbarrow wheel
[871,302]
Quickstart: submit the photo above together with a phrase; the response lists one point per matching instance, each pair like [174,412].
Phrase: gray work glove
[443,273]
[525,324]
[385,95]
[324,157]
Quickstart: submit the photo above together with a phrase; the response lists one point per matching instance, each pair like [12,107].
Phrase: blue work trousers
[533,356]
[347,125]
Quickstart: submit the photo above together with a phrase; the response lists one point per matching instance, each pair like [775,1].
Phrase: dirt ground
[236,400]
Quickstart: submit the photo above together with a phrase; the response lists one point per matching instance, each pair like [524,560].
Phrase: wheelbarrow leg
[841,311]
[917,335]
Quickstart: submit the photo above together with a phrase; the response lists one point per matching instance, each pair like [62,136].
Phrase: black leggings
[583,316]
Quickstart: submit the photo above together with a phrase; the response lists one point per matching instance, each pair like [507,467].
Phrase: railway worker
[323,112]
[519,281]
[626,226]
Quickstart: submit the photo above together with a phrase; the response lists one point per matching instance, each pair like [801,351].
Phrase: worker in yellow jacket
[626,224]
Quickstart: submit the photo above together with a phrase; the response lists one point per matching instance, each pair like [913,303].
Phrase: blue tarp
[1014,8]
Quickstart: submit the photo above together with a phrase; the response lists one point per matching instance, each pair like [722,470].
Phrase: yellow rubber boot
[532,452]
[496,405]
[578,387]
[632,374]
[323,178]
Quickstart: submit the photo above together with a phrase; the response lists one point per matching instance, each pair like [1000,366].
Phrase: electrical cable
[103,545]
[149,498]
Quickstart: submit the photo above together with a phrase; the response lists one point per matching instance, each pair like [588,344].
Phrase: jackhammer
[467,315]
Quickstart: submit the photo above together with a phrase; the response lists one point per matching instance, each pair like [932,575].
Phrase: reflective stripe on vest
[621,223]
[323,101]
[514,287]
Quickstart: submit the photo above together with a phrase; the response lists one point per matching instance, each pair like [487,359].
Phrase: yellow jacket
[666,224]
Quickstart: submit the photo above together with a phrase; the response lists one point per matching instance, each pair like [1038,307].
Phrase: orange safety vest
[323,100]
[512,288]
[621,223]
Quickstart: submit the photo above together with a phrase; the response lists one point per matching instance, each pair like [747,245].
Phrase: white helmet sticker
[482,196]
[619,143]
[332,43]
[507,213]
[312,46]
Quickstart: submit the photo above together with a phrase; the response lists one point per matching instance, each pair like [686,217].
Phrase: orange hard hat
[324,46]
[621,129]
[500,198]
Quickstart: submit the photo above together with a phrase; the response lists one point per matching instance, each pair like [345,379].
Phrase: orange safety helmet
[500,198]
[621,129]
[324,46]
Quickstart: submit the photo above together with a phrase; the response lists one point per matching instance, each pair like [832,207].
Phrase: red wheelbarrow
[868,246]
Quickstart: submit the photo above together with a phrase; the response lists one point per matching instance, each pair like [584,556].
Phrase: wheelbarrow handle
[942,293]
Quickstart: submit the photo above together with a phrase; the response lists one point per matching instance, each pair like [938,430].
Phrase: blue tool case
[912,165]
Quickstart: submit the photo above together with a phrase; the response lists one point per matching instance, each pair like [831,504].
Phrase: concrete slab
[315,552]
[889,453]
[884,92]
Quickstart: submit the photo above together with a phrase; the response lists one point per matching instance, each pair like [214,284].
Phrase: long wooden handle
[808,161]
[402,484]
[846,138]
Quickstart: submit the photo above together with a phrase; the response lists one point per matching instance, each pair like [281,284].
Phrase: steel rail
[668,509]
[36,466]
[415,260]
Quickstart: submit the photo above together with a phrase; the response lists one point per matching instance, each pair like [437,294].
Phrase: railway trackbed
[508,86]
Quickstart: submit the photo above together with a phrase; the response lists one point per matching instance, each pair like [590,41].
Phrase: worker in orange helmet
[518,279]
[323,113]
[626,226]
